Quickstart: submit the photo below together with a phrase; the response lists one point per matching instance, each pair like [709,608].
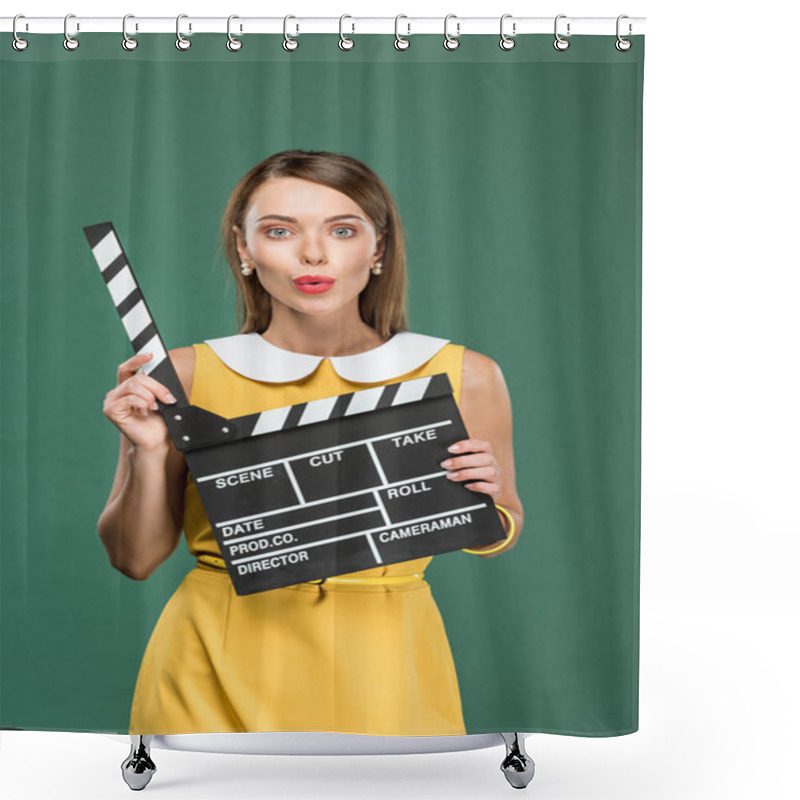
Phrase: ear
[241,244]
[381,247]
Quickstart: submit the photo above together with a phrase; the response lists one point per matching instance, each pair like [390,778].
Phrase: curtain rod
[512,26]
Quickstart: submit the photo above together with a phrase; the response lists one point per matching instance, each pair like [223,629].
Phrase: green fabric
[518,177]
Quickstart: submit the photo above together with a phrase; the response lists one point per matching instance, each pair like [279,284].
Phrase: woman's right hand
[131,405]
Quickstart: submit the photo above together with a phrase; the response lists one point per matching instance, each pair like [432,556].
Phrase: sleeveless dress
[365,657]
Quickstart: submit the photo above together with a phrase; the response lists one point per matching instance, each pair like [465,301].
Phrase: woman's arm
[486,409]
[141,523]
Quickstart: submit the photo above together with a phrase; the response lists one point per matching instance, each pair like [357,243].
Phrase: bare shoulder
[183,359]
[481,373]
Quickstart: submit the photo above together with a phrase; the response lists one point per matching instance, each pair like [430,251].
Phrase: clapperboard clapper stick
[316,489]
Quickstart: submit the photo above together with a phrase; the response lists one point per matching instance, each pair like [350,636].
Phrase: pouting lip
[313,279]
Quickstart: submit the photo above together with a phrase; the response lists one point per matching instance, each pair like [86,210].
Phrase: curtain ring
[451,42]
[623,44]
[561,43]
[233,44]
[128,42]
[507,42]
[70,42]
[401,43]
[344,42]
[182,43]
[288,42]
[18,43]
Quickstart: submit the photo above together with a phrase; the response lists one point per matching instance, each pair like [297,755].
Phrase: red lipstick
[313,284]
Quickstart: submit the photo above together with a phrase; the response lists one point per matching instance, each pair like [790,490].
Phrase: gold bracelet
[512,528]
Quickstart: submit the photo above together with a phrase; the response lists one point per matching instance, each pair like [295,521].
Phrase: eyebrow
[329,219]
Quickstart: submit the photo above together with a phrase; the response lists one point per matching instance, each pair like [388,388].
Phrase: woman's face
[298,231]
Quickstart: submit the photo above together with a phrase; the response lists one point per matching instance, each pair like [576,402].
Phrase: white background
[719,587]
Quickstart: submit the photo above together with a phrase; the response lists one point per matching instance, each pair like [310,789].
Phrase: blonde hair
[382,304]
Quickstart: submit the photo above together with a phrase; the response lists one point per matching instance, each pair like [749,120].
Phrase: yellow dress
[364,658]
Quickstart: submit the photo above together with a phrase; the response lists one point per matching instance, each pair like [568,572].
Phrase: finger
[484,487]
[157,389]
[144,386]
[475,473]
[146,408]
[129,367]
[130,403]
[472,460]
[131,388]
[470,446]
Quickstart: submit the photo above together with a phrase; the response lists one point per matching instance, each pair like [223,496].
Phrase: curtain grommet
[290,44]
[18,43]
[344,42]
[451,42]
[128,42]
[70,42]
[182,43]
[400,42]
[233,44]
[622,44]
[560,42]
[507,42]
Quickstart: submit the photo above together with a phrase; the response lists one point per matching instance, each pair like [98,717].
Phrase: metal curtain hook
[344,42]
[621,43]
[18,42]
[128,42]
[507,42]
[233,44]
[561,43]
[288,42]
[451,42]
[182,43]
[400,42]
[70,42]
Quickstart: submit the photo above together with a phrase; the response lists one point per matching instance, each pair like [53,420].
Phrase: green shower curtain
[518,179]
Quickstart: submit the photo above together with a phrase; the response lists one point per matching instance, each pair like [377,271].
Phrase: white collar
[254,357]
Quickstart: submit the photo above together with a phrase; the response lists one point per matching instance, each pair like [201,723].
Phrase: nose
[312,251]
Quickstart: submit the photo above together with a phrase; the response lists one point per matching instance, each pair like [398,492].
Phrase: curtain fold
[518,179]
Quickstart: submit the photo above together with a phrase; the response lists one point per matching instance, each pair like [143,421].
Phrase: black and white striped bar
[338,406]
[131,305]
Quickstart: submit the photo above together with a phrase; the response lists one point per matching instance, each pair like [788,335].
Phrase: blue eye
[270,231]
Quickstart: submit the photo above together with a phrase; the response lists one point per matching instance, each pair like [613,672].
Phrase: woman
[315,246]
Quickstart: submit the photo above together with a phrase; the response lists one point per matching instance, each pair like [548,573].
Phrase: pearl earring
[247,269]
[377,269]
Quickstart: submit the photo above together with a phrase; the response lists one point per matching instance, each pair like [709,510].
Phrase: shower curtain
[517,175]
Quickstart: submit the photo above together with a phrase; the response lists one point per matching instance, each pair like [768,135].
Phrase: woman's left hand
[477,464]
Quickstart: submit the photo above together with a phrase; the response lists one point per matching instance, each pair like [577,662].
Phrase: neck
[340,333]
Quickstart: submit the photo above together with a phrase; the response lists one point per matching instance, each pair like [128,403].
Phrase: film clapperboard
[317,489]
